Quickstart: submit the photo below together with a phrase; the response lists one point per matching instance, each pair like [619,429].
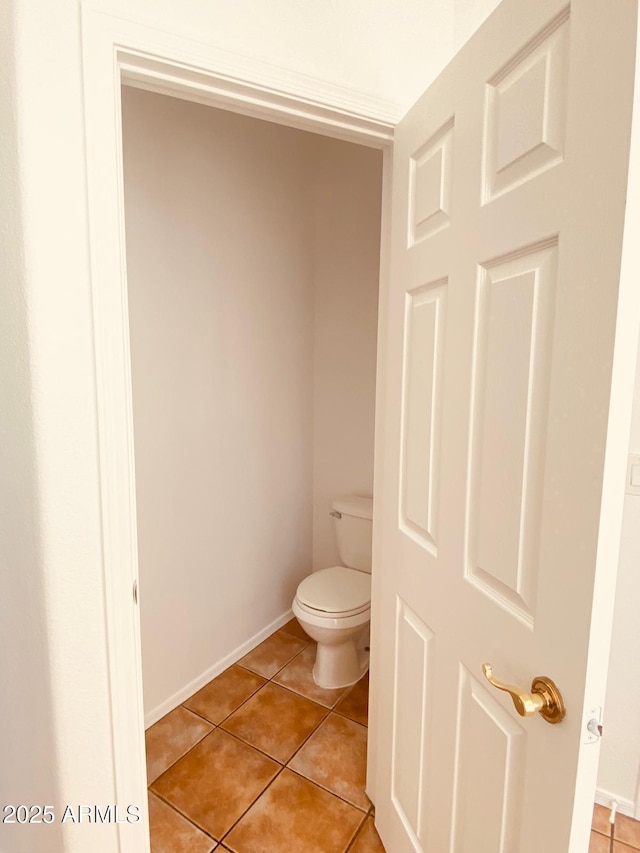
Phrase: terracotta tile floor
[262,760]
[626,833]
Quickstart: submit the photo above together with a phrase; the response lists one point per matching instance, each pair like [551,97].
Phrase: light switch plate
[633,475]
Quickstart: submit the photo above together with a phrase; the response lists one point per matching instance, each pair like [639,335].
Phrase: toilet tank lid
[355,505]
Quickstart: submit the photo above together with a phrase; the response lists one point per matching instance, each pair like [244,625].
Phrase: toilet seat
[332,614]
[321,619]
[336,592]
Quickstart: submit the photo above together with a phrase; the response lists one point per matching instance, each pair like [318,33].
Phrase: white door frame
[116,51]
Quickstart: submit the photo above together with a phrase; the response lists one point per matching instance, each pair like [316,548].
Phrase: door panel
[421,405]
[490,767]
[512,342]
[412,693]
[509,183]
[526,111]
[431,175]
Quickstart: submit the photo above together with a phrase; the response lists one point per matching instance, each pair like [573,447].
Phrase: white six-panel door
[509,180]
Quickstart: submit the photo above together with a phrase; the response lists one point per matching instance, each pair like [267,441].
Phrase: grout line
[364,811]
[253,802]
[198,714]
[180,757]
[327,708]
[195,714]
[295,636]
[300,695]
[182,814]
[356,834]
[244,701]
[344,717]
[347,717]
[304,696]
[189,711]
[309,736]
[299,652]
[277,672]
[253,746]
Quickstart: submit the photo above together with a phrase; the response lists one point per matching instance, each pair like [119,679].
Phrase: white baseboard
[605,798]
[189,689]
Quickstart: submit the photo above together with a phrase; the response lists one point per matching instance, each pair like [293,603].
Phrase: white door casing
[501,510]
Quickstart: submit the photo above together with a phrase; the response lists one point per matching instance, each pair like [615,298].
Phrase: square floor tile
[600,820]
[297,677]
[170,738]
[627,830]
[271,655]
[367,839]
[224,694]
[598,843]
[295,816]
[216,782]
[172,833]
[335,756]
[355,704]
[295,629]
[275,721]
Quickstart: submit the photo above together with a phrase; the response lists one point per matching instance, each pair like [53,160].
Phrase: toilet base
[342,664]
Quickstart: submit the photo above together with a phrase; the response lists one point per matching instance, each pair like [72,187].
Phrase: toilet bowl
[333,605]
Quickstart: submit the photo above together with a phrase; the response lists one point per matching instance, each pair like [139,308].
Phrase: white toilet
[334,605]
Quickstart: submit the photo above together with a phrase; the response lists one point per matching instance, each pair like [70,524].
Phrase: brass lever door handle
[545,698]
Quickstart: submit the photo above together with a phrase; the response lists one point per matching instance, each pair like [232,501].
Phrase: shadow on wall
[27,740]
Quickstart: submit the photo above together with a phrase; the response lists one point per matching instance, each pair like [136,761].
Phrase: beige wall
[346,270]
[221,310]
[239,232]
[27,738]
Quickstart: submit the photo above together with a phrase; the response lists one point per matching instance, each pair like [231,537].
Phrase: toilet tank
[353,524]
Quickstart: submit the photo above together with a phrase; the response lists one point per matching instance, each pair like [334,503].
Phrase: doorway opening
[252,279]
